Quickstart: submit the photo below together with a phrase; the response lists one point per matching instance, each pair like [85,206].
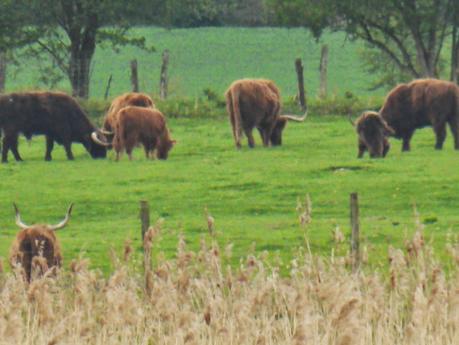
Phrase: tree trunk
[454,56]
[323,71]
[80,63]
[3,64]
[163,82]
[82,48]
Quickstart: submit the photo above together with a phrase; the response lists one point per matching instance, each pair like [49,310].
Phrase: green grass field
[214,57]
[252,194]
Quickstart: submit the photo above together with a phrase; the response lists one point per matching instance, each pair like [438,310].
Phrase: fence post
[107,89]
[163,77]
[355,235]
[144,216]
[134,76]
[323,71]
[300,77]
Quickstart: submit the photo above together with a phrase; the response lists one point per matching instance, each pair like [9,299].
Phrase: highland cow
[56,115]
[146,126]
[35,242]
[372,131]
[422,103]
[255,103]
[130,98]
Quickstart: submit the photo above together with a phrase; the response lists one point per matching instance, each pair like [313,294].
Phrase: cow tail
[232,101]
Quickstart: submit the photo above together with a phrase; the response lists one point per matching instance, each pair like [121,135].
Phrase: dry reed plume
[197,299]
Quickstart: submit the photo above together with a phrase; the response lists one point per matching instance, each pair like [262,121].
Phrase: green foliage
[205,58]
[251,194]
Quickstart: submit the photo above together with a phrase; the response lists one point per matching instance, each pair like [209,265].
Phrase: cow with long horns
[255,103]
[37,244]
[54,114]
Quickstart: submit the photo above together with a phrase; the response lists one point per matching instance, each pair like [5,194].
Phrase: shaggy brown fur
[56,115]
[130,98]
[36,242]
[373,132]
[146,126]
[421,103]
[255,103]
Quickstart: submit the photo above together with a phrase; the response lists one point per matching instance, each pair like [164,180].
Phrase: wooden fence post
[355,235]
[163,77]
[323,71]
[107,89]
[134,76]
[300,77]
[144,216]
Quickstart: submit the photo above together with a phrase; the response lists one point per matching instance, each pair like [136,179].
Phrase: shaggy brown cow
[421,103]
[56,115]
[131,98]
[373,132]
[255,103]
[146,126]
[35,242]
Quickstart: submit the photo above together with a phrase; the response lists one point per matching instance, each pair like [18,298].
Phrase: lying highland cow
[255,103]
[422,103]
[373,132]
[146,126]
[56,115]
[131,98]
[37,242]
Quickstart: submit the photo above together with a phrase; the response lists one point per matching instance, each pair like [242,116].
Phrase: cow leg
[5,148]
[362,149]
[68,150]
[251,140]
[49,148]
[440,133]
[267,136]
[406,141]
[454,126]
[13,146]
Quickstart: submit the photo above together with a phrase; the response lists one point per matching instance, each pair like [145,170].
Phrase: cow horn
[295,117]
[105,132]
[18,219]
[96,139]
[350,120]
[63,222]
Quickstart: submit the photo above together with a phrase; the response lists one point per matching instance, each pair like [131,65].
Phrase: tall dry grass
[198,299]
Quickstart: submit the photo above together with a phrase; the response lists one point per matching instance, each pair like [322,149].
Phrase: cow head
[373,131]
[163,147]
[37,244]
[281,122]
[97,146]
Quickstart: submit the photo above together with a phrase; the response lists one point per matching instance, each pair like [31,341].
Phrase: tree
[14,33]
[70,30]
[410,33]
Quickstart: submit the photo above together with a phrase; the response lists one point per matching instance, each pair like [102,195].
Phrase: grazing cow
[146,126]
[372,131]
[255,103]
[34,242]
[130,98]
[56,115]
[422,103]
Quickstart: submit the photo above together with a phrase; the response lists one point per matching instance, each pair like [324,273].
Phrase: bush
[212,105]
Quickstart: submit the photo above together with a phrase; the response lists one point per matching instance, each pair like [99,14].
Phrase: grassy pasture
[252,194]
[214,57]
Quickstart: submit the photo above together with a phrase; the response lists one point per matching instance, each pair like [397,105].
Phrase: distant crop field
[213,57]
[252,194]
